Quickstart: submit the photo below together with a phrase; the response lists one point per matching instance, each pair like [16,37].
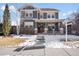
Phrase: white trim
[45,28]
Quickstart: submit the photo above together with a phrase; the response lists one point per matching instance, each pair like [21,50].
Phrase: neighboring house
[39,20]
[13,29]
[0,28]
[1,31]
[73,27]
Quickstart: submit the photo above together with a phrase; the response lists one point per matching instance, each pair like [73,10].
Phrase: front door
[40,27]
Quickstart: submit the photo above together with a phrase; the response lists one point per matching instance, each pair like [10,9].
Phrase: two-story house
[39,20]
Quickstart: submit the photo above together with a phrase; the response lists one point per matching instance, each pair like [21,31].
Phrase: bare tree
[74,17]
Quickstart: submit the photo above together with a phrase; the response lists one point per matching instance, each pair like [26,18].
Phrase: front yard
[72,43]
[10,41]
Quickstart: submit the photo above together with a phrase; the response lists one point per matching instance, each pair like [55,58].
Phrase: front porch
[47,27]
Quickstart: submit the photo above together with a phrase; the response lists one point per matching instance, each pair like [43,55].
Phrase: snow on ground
[54,41]
[57,45]
[31,37]
[27,43]
[50,40]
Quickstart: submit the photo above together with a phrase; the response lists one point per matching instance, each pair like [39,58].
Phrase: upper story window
[30,14]
[34,14]
[56,15]
[45,15]
[41,16]
[22,14]
[49,16]
[26,15]
[52,15]
[38,15]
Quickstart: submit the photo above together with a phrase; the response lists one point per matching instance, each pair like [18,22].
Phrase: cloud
[12,7]
[13,23]
[16,22]
[2,8]
[67,14]
[14,15]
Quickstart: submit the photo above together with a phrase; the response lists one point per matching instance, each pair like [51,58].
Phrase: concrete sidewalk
[62,51]
[41,52]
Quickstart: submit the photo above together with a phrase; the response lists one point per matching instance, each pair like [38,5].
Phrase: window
[41,16]
[38,15]
[45,15]
[52,16]
[26,26]
[56,15]
[34,14]
[27,15]
[48,16]
[22,14]
[30,14]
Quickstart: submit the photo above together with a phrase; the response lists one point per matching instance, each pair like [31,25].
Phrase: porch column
[36,30]
[46,28]
[59,26]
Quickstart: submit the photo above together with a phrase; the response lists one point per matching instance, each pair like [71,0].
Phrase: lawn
[72,43]
[10,41]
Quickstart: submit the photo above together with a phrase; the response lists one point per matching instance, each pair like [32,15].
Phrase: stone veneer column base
[61,30]
[45,30]
[36,30]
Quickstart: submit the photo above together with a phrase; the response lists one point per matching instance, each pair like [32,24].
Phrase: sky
[65,9]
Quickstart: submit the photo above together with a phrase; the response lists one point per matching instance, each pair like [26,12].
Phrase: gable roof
[30,6]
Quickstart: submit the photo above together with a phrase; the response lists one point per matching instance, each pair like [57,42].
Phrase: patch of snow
[27,43]
[1,37]
[57,45]
[31,37]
